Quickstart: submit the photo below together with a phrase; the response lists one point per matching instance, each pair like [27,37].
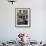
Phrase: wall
[8,31]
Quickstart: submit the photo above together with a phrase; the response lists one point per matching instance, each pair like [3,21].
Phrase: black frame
[29,15]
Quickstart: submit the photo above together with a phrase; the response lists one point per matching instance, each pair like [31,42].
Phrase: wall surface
[8,31]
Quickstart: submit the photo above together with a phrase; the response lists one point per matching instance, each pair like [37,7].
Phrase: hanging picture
[22,17]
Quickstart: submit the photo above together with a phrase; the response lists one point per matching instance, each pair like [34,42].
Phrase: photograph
[22,17]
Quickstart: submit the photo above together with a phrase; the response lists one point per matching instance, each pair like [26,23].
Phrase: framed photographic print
[23,17]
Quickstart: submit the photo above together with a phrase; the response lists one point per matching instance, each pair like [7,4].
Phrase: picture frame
[22,17]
